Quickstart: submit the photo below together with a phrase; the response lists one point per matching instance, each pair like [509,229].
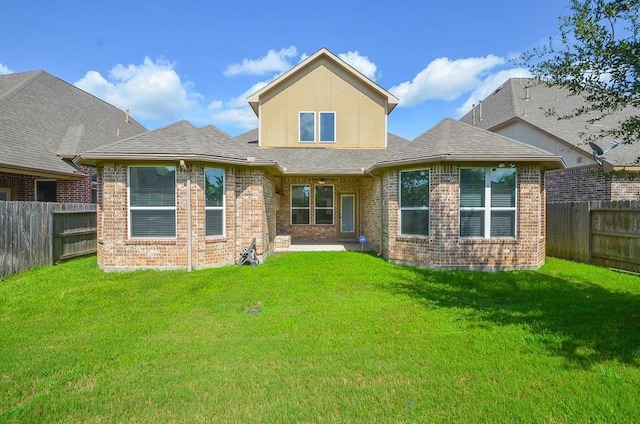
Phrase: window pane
[153,223]
[307,126]
[472,187]
[324,216]
[300,216]
[214,186]
[324,196]
[503,188]
[414,189]
[46,191]
[300,196]
[472,223]
[214,220]
[414,222]
[503,224]
[152,186]
[327,126]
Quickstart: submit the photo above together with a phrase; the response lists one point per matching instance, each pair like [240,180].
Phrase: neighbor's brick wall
[626,189]
[590,184]
[444,248]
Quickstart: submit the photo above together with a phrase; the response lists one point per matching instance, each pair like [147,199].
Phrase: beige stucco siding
[324,87]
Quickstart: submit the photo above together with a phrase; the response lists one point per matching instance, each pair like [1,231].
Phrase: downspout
[184,167]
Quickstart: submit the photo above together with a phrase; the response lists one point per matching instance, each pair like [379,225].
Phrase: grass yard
[320,337]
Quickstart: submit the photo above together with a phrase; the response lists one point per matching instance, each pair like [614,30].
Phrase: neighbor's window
[488,202]
[214,205]
[328,126]
[152,201]
[307,126]
[5,193]
[324,205]
[414,202]
[46,190]
[300,204]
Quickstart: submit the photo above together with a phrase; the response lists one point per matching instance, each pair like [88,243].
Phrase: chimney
[527,93]
[126,117]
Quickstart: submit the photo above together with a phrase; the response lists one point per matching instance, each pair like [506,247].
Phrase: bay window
[152,201]
[214,204]
[414,202]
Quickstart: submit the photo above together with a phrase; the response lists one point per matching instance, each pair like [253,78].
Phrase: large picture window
[414,202]
[488,202]
[328,127]
[152,201]
[300,204]
[307,126]
[324,205]
[214,205]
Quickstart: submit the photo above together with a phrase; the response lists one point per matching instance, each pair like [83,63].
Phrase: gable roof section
[455,141]
[176,141]
[254,99]
[44,120]
[523,99]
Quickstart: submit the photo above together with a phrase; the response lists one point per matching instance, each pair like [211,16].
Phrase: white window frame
[300,126]
[217,208]
[413,208]
[487,208]
[7,191]
[291,208]
[335,126]
[35,188]
[317,208]
[130,208]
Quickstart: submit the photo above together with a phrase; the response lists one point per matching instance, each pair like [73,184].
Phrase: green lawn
[320,337]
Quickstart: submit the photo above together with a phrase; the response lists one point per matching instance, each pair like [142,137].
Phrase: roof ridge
[23,84]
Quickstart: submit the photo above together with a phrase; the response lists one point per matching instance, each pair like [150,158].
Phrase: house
[44,123]
[321,166]
[519,109]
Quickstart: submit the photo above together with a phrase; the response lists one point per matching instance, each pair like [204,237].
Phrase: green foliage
[320,337]
[597,56]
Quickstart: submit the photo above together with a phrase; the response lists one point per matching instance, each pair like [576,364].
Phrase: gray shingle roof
[42,117]
[514,101]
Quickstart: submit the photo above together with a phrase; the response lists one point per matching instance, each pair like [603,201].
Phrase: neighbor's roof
[44,120]
[254,99]
[525,100]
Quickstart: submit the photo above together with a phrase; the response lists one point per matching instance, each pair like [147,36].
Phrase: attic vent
[473,114]
[480,111]
[118,132]
[126,117]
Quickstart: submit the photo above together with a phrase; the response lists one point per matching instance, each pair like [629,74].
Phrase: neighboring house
[44,123]
[519,109]
[321,166]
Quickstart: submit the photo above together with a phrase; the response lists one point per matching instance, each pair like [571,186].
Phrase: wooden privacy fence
[602,233]
[39,233]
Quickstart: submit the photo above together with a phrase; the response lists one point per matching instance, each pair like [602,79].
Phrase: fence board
[568,231]
[26,233]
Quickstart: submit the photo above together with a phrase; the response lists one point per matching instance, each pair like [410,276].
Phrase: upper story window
[214,204]
[488,202]
[328,127]
[324,130]
[152,201]
[414,202]
[307,126]
[300,204]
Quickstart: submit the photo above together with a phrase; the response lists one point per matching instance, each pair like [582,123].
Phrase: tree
[597,56]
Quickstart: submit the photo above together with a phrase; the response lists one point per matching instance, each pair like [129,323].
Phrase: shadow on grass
[582,322]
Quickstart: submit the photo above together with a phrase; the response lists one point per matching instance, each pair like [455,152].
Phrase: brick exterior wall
[68,191]
[258,205]
[589,184]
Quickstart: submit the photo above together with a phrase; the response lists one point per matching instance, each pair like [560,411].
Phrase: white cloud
[489,85]
[445,79]
[361,63]
[5,70]
[240,117]
[272,62]
[151,90]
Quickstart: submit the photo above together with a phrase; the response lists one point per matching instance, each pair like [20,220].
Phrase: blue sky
[197,60]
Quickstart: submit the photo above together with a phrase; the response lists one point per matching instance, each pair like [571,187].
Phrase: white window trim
[315,129]
[291,207]
[6,190]
[35,187]
[335,127]
[317,208]
[487,208]
[412,208]
[149,208]
[217,208]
